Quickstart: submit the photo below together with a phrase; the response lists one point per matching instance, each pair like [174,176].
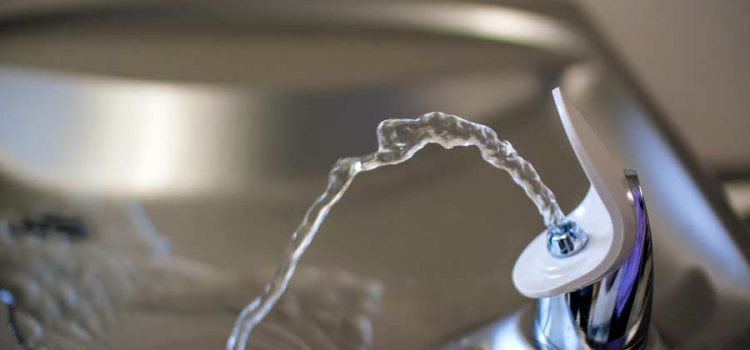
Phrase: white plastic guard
[605,214]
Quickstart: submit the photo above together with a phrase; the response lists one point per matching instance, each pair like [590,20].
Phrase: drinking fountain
[101,101]
[593,277]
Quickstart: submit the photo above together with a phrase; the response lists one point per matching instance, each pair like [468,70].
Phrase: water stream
[398,141]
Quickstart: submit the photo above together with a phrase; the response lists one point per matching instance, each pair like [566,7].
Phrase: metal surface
[247,71]
[224,120]
[614,313]
[227,148]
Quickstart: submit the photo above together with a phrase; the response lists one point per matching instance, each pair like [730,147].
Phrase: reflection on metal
[613,313]
[496,23]
[686,206]
[152,138]
[492,22]
[513,332]
[67,156]
[125,137]
[84,134]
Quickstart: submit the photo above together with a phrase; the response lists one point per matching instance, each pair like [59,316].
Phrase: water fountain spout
[600,297]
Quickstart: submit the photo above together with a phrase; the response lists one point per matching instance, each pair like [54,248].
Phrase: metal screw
[566,239]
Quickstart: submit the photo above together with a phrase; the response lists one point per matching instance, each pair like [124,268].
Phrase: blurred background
[156,155]
[689,56]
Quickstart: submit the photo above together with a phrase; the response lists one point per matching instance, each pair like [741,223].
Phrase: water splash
[398,140]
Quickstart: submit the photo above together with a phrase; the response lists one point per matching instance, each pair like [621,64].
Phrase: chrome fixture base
[613,313]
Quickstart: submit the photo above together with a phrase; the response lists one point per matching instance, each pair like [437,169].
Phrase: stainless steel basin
[223,121]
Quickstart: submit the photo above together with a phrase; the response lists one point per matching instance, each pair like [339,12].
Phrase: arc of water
[398,141]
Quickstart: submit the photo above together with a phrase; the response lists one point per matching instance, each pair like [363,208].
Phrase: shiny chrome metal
[227,103]
[566,239]
[512,332]
[253,120]
[613,313]
[153,139]
[266,99]
[684,204]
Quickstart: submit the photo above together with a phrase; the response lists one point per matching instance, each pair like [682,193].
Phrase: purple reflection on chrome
[629,271]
